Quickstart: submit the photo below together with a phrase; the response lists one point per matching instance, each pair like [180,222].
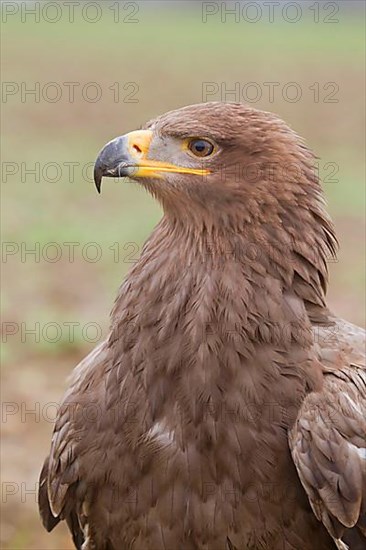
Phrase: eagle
[226,408]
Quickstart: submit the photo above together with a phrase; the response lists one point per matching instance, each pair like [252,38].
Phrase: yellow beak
[128,156]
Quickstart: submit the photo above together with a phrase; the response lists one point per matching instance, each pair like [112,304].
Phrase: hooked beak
[128,156]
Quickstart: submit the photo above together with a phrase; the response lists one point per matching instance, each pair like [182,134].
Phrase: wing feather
[328,446]
[60,490]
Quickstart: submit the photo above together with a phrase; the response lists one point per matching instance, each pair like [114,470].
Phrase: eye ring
[201,147]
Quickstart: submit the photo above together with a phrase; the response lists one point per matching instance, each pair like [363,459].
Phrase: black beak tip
[109,161]
[98,174]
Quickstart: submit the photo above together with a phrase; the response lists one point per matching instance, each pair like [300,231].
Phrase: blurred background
[75,76]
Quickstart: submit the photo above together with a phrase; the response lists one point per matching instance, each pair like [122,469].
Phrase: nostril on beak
[137,149]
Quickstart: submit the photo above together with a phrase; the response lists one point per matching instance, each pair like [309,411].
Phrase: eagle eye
[201,147]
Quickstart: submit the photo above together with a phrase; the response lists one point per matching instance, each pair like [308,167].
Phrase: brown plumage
[226,409]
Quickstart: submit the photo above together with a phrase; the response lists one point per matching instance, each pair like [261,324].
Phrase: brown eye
[200,147]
